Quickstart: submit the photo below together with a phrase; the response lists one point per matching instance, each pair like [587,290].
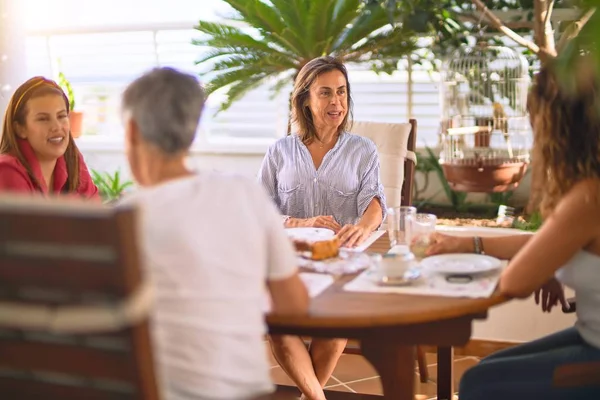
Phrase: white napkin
[315,284]
[364,245]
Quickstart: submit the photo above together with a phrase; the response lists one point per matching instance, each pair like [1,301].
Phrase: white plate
[310,234]
[461,263]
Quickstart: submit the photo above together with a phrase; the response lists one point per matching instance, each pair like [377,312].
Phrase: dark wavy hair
[301,115]
[566,127]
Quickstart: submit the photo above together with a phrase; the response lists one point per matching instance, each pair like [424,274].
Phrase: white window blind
[101,52]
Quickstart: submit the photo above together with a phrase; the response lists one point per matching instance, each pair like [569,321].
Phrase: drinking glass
[419,228]
[396,217]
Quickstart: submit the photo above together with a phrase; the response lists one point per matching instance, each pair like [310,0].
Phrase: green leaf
[65,84]
[365,24]
[273,39]
[110,186]
[262,17]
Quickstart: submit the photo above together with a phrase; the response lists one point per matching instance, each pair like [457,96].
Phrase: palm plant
[268,41]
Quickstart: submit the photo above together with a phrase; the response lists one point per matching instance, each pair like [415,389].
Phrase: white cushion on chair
[391,140]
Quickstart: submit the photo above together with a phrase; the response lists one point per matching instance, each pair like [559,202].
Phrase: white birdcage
[485,128]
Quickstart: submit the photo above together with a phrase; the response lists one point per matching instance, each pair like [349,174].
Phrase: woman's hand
[321,221]
[441,244]
[550,294]
[353,235]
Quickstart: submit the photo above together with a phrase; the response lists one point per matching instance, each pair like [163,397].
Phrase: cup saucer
[406,279]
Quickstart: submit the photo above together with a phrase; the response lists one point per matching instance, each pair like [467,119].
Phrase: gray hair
[166,104]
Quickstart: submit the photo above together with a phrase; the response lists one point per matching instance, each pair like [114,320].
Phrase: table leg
[395,365]
[445,379]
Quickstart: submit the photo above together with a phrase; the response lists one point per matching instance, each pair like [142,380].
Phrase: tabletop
[337,308]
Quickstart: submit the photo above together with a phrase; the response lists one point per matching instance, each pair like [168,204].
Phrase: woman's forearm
[504,247]
[373,216]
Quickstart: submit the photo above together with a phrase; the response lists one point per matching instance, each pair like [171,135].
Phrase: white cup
[394,266]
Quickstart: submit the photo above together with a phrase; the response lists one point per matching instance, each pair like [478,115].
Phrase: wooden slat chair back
[65,255]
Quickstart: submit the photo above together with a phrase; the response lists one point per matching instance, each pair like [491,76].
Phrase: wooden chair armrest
[577,374]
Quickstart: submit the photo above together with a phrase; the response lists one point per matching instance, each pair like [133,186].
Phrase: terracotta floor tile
[270,357]
[279,377]
[339,388]
[431,358]
[373,386]
[460,366]
[352,368]
[424,390]
[367,386]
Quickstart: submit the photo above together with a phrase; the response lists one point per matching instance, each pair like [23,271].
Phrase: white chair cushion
[391,140]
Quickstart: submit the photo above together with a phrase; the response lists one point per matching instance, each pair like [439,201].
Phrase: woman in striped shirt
[322,176]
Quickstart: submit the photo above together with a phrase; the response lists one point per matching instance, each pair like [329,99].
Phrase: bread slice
[319,250]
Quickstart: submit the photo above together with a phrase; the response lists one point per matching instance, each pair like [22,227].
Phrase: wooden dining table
[388,328]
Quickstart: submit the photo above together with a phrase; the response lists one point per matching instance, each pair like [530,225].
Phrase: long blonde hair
[16,113]
[566,126]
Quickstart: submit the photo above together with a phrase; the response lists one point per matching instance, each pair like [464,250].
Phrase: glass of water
[396,223]
[419,228]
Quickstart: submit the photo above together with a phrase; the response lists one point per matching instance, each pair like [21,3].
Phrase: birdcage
[485,132]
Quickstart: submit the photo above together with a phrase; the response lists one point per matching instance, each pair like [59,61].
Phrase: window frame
[204,142]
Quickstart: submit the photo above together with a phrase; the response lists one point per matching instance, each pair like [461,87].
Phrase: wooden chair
[576,374]
[73,305]
[69,282]
[396,143]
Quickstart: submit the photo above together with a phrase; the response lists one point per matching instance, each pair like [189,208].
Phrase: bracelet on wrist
[478,245]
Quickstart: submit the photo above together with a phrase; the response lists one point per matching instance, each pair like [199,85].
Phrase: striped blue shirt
[344,185]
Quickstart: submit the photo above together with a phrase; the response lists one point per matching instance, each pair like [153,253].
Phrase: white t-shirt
[210,242]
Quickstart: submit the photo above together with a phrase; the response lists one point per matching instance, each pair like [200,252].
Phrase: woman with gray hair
[207,257]
[322,176]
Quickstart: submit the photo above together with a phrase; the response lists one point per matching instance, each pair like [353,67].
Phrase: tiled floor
[354,374]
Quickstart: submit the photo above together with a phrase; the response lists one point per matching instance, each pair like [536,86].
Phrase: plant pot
[76,122]
[479,177]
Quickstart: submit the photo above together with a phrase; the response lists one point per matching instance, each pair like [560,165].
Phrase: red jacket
[14,177]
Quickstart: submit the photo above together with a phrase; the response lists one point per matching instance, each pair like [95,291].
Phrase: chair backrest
[396,145]
[61,263]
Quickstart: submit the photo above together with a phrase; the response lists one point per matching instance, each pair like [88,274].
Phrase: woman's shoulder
[283,145]
[9,162]
[587,190]
[8,159]
[360,141]
[583,198]
[286,142]
[13,175]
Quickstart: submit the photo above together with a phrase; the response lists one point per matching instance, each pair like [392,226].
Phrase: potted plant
[110,186]
[75,117]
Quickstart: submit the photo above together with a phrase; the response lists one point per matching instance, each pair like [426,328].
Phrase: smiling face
[328,101]
[46,126]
